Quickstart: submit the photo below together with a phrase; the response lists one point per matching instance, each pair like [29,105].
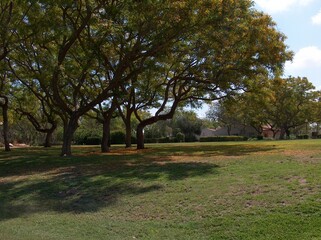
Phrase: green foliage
[133,139]
[184,126]
[304,136]
[89,132]
[87,139]
[223,139]
[180,137]
[74,55]
[160,140]
[188,123]
[117,137]
[158,130]
[283,104]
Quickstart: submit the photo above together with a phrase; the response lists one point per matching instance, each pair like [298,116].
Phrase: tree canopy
[282,104]
[75,55]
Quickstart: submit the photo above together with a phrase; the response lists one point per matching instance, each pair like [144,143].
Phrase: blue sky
[300,21]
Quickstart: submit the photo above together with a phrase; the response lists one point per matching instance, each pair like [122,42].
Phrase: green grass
[248,190]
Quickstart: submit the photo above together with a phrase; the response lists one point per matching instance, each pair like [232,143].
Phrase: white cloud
[306,63]
[308,57]
[317,19]
[275,6]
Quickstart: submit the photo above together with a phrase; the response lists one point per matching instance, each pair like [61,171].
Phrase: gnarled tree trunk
[128,134]
[4,105]
[70,128]
[49,133]
[140,136]
[105,142]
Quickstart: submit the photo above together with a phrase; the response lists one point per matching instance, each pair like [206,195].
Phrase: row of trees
[281,104]
[62,60]
[184,127]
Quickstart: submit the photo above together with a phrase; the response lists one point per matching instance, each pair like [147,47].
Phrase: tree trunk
[287,132]
[140,136]
[69,129]
[6,128]
[274,134]
[5,125]
[152,120]
[48,139]
[228,127]
[282,134]
[128,137]
[105,141]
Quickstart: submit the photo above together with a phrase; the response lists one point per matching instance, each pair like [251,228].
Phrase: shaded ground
[83,183]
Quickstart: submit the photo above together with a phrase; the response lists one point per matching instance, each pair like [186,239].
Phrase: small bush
[223,138]
[180,137]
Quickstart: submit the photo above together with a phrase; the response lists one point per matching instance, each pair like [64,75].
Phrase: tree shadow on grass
[41,182]
[74,196]
[30,161]
[37,180]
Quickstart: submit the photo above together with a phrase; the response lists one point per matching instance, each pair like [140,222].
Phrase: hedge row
[223,138]
[160,140]
[304,136]
[115,138]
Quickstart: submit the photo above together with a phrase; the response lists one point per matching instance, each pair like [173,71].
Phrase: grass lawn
[249,190]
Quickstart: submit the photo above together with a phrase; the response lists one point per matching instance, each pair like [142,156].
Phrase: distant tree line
[283,105]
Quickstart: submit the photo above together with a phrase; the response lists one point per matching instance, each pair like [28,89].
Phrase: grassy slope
[251,190]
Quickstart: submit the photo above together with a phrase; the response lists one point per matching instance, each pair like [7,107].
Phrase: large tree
[288,104]
[86,48]
[6,18]
[103,114]
[12,14]
[82,53]
[246,108]
[35,108]
[226,113]
[235,43]
[4,104]
[280,103]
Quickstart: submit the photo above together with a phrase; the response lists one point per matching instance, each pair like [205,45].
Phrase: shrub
[150,140]
[160,140]
[93,141]
[260,137]
[180,137]
[303,136]
[117,137]
[191,138]
[134,140]
[223,138]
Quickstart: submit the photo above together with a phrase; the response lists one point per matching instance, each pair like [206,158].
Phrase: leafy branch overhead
[134,55]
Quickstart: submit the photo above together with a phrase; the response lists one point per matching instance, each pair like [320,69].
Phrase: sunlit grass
[248,190]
